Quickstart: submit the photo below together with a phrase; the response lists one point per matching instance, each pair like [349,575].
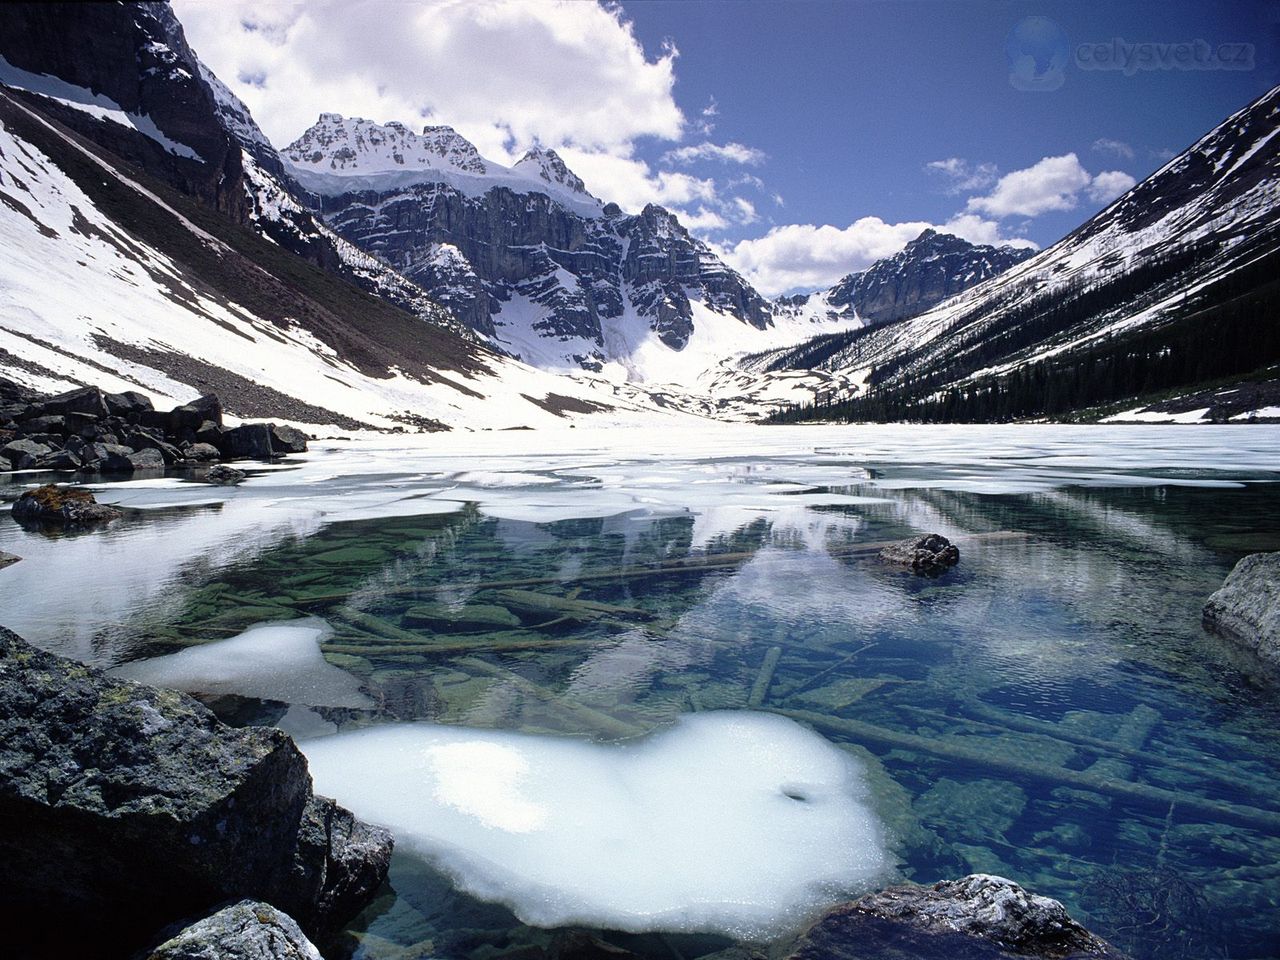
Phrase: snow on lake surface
[770,820]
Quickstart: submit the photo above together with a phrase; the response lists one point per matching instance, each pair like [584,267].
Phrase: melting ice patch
[274,661]
[729,822]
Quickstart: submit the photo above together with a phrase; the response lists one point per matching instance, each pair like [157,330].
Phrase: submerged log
[760,689]
[1218,811]
[581,713]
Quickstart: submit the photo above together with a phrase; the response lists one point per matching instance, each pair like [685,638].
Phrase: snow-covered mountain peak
[338,155]
[547,165]
[355,146]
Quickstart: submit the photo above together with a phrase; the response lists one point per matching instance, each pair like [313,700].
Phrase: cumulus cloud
[1117,148]
[1050,184]
[810,257]
[1110,184]
[963,176]
[505,73]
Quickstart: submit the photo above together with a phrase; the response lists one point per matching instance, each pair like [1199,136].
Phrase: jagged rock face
[930,269]
[486,240]
[136,56]
[474,254]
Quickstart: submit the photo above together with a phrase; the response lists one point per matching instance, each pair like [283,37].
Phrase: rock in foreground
[931,553]
[977,916]
[130,808]
[1246,608]
[65,506]
[248,930]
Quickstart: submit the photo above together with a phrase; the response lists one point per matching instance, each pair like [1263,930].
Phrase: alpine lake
[1050,710]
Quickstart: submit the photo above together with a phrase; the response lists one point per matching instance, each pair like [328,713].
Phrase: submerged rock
[65,506]
[1246,608]
[248,930]
[7,558]
[975,917]
[931,553]
[130,808]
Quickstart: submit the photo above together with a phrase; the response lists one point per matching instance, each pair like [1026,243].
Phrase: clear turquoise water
[1050,711]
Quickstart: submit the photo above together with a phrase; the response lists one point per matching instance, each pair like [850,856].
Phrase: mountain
[931,268]
[1169,289]
[525,255]
[152,240]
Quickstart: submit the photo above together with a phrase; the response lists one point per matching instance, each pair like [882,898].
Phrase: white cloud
[808,257]
[631,183]
[1116,148]
[1110,184]
[504,73]
[703,220]
[725,153]
[1050,184]
[962,175]
[746,210]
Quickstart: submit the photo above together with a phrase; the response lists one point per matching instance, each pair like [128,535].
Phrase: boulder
[58,460]
[286,439]
[7,558]
[148,459]
[83,425]
[222,474]
[85,400]
[1246,608]
[130,808]
[975,917]
[24,453]
[211,433]
[54,423]
[251,440]
[201,452]
[248,930]
[931,553]
[63,506]
[127,404]
[5,465]
[108,458]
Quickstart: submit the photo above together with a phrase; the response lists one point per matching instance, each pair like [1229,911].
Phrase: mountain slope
[1167,287]
[153,269]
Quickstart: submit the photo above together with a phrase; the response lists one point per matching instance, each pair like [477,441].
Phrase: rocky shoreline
[90,432]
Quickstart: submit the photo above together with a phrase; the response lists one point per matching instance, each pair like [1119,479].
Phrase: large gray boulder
[24,453]
[977,916]
[131,808]
[1246,609]
[286,439]
[248,930]
[251,440]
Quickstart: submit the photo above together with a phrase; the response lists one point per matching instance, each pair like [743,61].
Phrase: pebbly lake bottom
[1050,710]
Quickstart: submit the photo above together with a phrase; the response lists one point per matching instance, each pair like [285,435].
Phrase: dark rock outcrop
[977,916]
[286,439]
[222,474]
[7,558]
[1246,608]
[62,506]
[248,930]
[251,440]
[932,553]
[131,808]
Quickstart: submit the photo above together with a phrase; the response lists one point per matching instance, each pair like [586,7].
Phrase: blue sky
[803,138]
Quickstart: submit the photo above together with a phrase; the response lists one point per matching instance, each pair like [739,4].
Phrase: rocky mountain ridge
[524,255]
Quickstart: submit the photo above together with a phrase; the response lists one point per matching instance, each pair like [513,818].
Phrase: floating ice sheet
[731,822]
[275,661]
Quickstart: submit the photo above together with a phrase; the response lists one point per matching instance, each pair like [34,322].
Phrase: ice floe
[731,822]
